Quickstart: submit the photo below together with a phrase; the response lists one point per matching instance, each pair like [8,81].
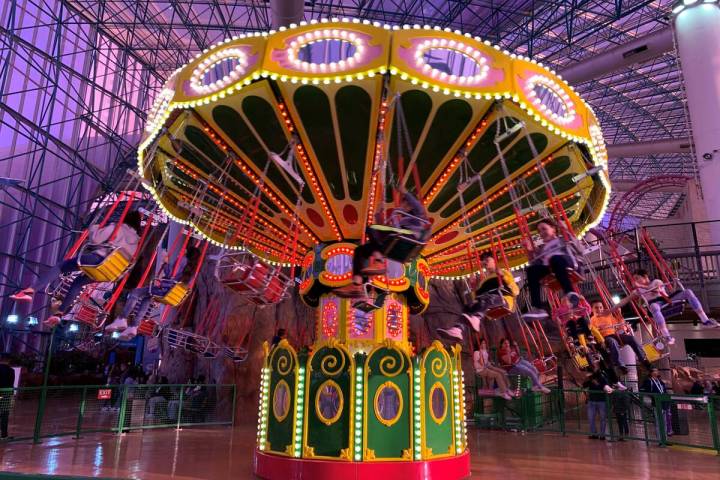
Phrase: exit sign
[104,394]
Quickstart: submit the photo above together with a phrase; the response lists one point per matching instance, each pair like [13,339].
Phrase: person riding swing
[498,288]
[409,219]
[555,256]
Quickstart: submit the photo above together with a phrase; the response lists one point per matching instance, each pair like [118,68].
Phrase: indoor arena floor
[224,453]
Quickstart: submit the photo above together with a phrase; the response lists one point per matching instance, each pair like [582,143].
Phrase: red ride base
[276,467]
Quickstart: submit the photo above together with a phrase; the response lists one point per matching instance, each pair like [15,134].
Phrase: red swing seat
[148,328]
[500,307]
[552,283]
[261,283]
[88,308]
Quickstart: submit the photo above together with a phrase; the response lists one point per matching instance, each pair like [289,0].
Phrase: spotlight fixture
[73,328]
[12,318]
[32,321]
[615,299]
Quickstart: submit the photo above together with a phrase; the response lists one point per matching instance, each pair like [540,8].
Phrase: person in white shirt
[489,372]
[127,239]
[656,296]
[553,256]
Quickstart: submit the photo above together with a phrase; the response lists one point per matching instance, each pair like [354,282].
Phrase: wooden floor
[223,453]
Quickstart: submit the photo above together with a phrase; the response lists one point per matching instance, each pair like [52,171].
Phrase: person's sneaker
[593,437]
[506,396]
[52,321]
[120,323]
[542,389]
[128,334]
[452,333]
[574,299]
[25,295]
[620,386]
[608,389]
[351,291]
[711,323]
[535,314]
[670,340]
[473,320]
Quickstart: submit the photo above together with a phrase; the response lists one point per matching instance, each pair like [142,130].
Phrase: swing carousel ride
[282,146]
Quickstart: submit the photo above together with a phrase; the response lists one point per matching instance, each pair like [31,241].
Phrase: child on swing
[611,333]
[126,238]
[487,295]
[414,223]
[140,299]
[555,256]
[657,297]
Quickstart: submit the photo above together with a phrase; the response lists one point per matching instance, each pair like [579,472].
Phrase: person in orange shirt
[612,331]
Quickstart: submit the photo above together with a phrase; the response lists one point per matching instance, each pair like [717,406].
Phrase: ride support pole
[43,393]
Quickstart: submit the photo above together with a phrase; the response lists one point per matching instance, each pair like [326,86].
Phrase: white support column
[697,28]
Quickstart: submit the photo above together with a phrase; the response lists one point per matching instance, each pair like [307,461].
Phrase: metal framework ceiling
[77,76]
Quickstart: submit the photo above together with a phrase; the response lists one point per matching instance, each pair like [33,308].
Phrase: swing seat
[496,313]
[174,297]
[237,355]
[248,276]
[673,309]
[500,307]
[539,364]
[404,247]
[58,289]
[276,289]
[88,308]
[552,283]
[656,349]
[580,361]
[176,338]
[88,315]
[370,304]
[115,264]
[148,328]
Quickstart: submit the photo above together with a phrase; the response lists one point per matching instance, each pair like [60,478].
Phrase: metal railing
[33,413]
[660,419]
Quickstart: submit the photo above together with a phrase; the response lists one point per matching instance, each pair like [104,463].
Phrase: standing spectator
[113,379]
[599,388]
[279,337]
[697,388]
[654,384]
[621,407]
[7,383]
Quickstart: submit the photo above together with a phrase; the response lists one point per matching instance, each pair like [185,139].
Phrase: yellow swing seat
[175,296]
[655,350]
[115,264]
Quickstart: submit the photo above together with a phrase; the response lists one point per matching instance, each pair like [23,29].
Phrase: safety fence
[660,419]
[33,413]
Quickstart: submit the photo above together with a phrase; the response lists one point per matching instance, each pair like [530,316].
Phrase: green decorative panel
[388,404]
[438,402]
[353,107]
[281,397]
[328,402]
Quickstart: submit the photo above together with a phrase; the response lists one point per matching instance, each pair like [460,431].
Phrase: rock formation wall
[230,319]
